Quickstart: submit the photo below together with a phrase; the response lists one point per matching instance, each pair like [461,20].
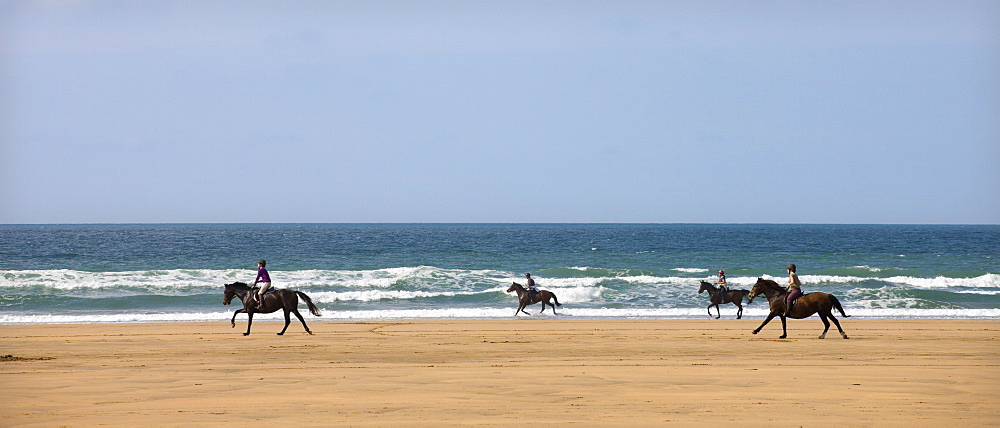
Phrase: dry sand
[525,371]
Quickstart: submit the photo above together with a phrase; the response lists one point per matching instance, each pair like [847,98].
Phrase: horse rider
[532,289]
[265,282]
[794,289]
[723,287]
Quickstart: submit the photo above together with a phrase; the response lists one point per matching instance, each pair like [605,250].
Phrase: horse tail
[557,300]
[312,308]
[836,305]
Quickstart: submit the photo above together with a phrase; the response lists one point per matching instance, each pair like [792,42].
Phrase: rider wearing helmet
[794,289]
[265,282]
[532,289]
[723,287]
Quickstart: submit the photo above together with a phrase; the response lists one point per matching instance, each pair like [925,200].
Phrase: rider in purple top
[265,281]
[262,275]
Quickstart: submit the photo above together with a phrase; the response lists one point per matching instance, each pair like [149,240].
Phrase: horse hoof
[822,336]
[281,334]
[310,333]
[246,334]
[756,331]
[234,325]
[845,337]
[782,337]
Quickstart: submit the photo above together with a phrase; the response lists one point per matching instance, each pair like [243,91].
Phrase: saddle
[271,290]
[252,295]
[796,299]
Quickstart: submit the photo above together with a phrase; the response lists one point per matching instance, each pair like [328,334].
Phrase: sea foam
[423,275]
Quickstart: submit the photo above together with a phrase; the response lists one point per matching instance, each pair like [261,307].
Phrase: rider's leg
[790,300]
[260,293]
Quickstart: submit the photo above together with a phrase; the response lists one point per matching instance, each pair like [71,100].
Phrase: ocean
[176,272]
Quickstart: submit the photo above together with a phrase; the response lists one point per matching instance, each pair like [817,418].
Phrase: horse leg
[770,317]
[784,328]
[739,311]
[547,302]
[826,325]
[303,321]
[249,323]
[238,311]
[709,307]
[837,323]
[288,320]
[718,313]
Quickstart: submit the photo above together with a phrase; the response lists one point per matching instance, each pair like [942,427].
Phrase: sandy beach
[524,371]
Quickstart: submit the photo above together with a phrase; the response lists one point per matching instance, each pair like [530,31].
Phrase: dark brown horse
[803,307]
[285,299]
[732,296]
[524,298]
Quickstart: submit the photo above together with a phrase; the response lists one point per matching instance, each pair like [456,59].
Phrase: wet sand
[527,371]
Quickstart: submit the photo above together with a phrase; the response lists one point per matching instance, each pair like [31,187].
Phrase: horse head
[761,287]
[515,286]
[756,290]
[232,290]
[705,287]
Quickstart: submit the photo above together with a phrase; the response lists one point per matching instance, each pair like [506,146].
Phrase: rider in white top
[532,289]
[723,287]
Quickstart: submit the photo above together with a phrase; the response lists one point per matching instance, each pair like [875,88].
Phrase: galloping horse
[732,296]
[285,299]
[524,298]
[803,307]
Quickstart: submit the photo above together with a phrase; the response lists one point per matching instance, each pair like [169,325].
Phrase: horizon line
[493,223]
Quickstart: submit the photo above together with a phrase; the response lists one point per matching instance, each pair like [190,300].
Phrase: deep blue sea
[176,272]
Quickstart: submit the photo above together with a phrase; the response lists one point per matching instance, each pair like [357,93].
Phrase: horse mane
[239,285]
[771,283]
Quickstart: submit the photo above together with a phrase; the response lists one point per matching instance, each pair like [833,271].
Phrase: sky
[500,111]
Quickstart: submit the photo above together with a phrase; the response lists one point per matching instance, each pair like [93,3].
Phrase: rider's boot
[788,308]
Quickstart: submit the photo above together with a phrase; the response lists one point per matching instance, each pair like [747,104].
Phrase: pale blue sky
[505,111]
